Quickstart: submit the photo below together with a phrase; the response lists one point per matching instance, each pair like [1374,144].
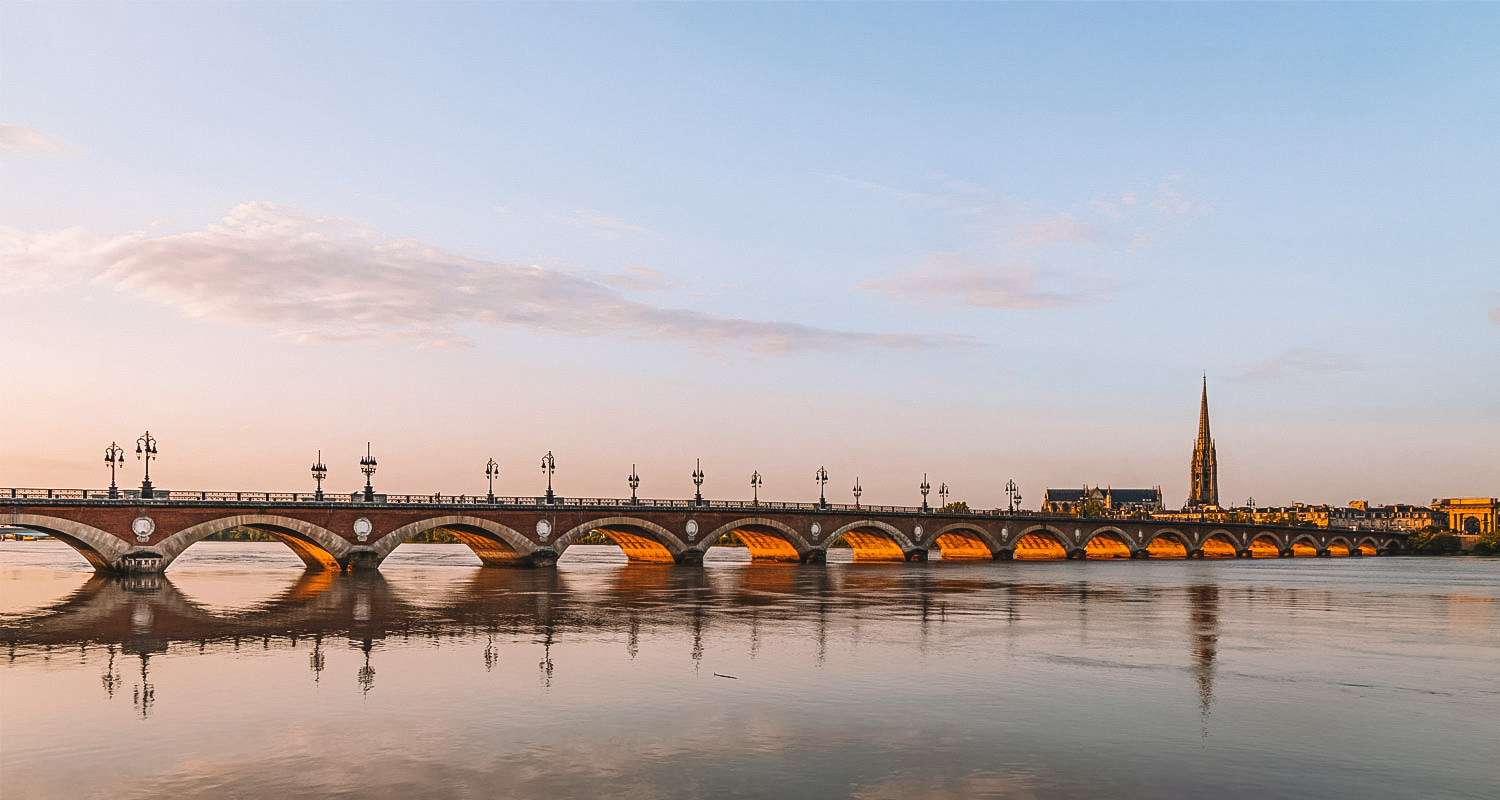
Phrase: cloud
[1301,361]
[1061,228]
[639,278]
[952,279]
[1495,315]
[603,227]
[19,140]
[321,278]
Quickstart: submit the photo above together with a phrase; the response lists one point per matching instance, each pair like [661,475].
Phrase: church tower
[1205,469]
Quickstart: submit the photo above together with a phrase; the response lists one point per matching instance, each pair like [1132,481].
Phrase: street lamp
[114,456]
[492,471]
[858,490]
[943,494]
[367,466]
[549,465]
[145,448]
[698,483]
[1013,493]
[635,481]
[822,478]
[319,472]
[925,489]
[755,483]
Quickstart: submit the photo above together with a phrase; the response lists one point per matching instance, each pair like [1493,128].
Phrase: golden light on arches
[638,549]
[1217,546]
[1338,549]
[1264,547]
[1367,549]
[1106,545]
[1039,547]
[872,546]
[767,547]
[1167,545]
[962,546]
[1303,550]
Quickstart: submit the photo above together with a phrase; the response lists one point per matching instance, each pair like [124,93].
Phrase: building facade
[1470,516]
[1112,501]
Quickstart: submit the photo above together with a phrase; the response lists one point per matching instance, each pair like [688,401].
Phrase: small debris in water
[721,675]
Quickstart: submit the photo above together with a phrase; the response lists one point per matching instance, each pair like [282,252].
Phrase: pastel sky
[978,242]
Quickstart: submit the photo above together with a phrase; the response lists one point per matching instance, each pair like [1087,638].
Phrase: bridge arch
[1304,546]
[1107,542]
[495,544]
[1168,543]
[873,540]
[101,549]
[1040,543]
[641,540]
[1340,546]
[962,541]
[1366,547]
[1218,544]
[318,547]
[1265,545]
[766,539]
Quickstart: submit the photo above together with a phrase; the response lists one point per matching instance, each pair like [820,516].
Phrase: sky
[975,242]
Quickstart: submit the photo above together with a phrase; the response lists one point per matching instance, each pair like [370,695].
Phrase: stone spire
[1205,468]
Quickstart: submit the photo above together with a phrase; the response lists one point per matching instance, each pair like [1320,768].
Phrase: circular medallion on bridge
[692,529]
[543,529]
[917,531]
[817,530]
[362,528]
[143,526]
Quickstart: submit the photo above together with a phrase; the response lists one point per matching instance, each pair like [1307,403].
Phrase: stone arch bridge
[133,535]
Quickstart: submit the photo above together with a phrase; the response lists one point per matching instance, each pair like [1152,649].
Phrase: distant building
[1471,516]
[1204,474]
[1115,501]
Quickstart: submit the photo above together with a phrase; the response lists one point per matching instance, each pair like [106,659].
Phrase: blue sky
[977,241]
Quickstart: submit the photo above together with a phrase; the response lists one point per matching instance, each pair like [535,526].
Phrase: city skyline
[981,244]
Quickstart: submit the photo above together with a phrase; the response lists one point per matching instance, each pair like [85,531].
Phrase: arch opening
[314,556]
[870,544]
[1039,546]
[102,550]
[1106,544]
[1264,546]
[1367,548]
[962,545]
[1218,546]
[764,541]
[492,551]
[1167,545]
[1303,548]
[1338,548]
[638,548]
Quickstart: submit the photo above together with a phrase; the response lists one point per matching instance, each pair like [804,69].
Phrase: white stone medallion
[817,530]
[143,526]
[917,533]
[362,529]
[543,529]
[692,529]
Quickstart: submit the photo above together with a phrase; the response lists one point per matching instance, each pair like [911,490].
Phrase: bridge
[121,532]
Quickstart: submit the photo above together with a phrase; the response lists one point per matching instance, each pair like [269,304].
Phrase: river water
[239,676]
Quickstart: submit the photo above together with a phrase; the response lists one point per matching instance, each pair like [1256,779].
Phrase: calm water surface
[238,676]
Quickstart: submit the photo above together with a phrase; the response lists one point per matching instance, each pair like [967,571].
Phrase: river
[239,676]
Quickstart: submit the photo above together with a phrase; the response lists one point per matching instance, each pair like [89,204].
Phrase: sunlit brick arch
[101,549]
[1040,542]
[873,540]
[1339,546]
[766,539]
[962,541]
[1107,542]
[494,543]
[1266,545]
[1300,544]
[1366,547]
[1218,544]
[318,547]
[642,541]
[1167,543]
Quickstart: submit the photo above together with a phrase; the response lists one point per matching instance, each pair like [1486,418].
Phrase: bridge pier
[140,562]
[817,556]
[1078,554]
[1141,553]
[915,554]
[362,558]
[1195,553]
[1325,553]
[1242,554]
[1287,553]
[1005,555]
[691,557]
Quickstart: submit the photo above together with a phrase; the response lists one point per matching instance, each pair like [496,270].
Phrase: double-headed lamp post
[756,481]
[858,490]
[925,487]
[549,465]
[943,494]
[367,466]
[821,476]
[145,448]
[492,471]
[319,472]
[114,456]
[635,483]
[698,482]
[1013,493]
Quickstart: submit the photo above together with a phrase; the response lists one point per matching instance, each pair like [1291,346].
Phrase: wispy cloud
[952,279]
[601,226]
[639,278]
[19,140]
[1061,228]
[1495,309]
[1300,362]
[315,277]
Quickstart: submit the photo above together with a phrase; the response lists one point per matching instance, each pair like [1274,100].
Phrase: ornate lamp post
[367,466]
[492,471]
[635,482]
[943,494]
[925,487]
[319,472]
[145,448]
[755,483]
[821,476]
[114,456]
[858,490]
[549,465]
[698,483]
[1013,493]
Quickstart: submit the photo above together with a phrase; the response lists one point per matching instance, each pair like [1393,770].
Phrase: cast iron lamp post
[145,448]
[319,472]
[549,465]
[755,483]
[492,471]
[698,483]
[114,456]
[858,490]
[821,476]
[1013,493]
[925,487]
[635,482]
[367,466]
[943,494]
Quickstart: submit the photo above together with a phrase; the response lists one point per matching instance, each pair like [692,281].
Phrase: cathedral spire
[1205,468]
